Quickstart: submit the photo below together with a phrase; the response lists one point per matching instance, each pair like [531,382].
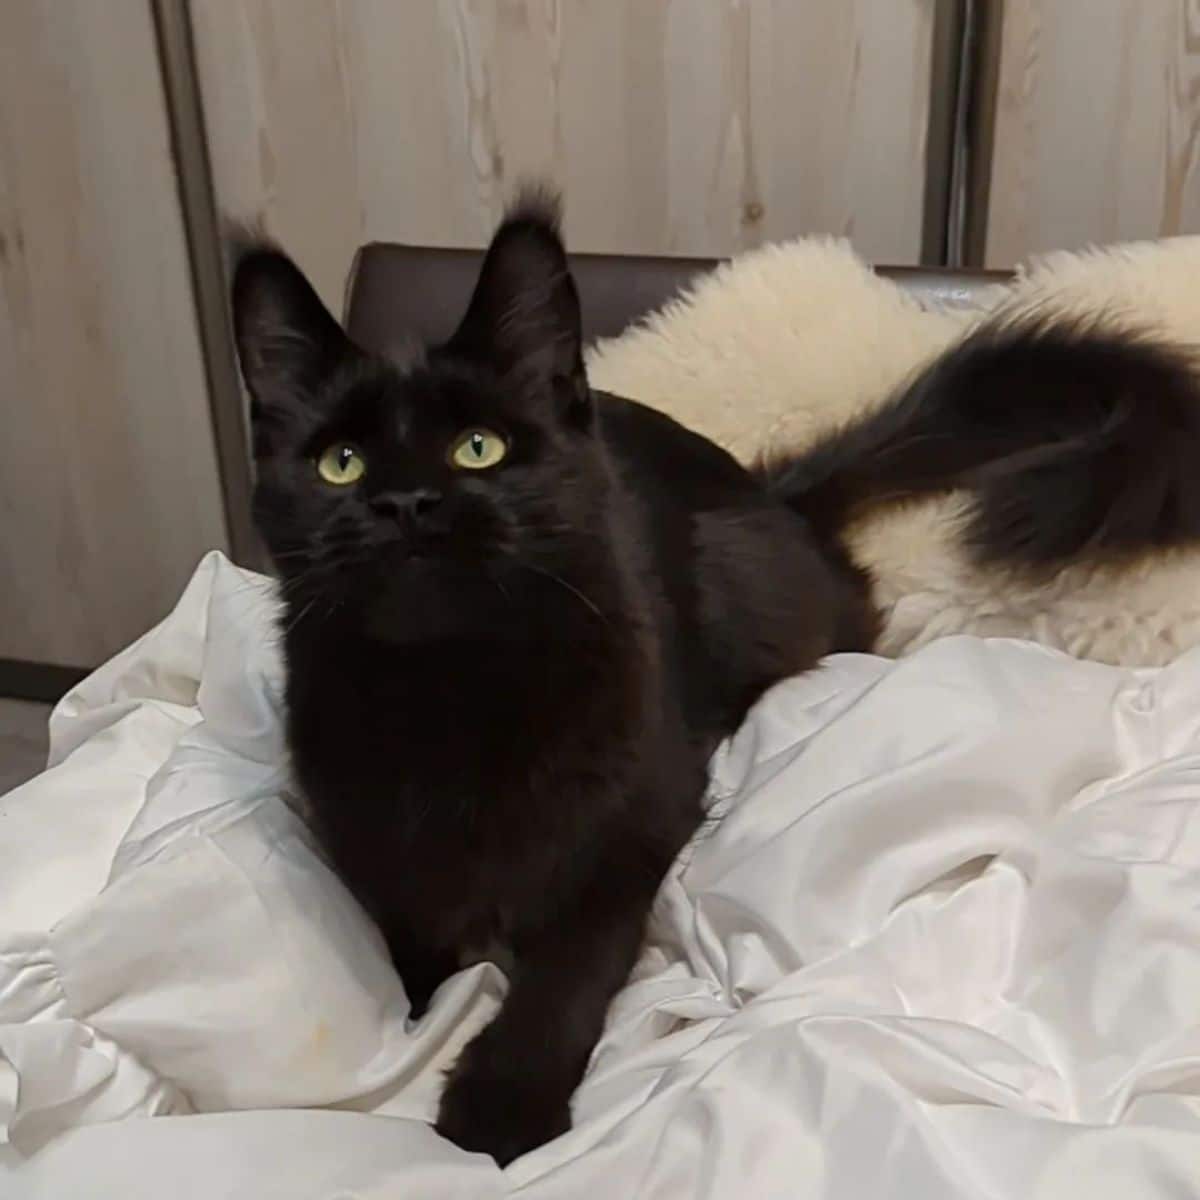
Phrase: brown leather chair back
[398,292]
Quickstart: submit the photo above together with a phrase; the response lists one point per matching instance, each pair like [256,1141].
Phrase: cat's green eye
[341,464]
[478,449]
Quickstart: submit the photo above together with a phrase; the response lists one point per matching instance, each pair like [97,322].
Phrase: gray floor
[23,741]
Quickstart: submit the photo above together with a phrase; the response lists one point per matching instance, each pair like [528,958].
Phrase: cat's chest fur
[460,783]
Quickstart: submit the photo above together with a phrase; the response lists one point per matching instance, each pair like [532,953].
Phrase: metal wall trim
[940,134]
[979,133]
[185,113]
[964,75]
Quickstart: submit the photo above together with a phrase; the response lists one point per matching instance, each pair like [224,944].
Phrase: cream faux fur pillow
[773,349]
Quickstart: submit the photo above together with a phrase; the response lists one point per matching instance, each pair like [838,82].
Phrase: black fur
[1078,442]
[503,686]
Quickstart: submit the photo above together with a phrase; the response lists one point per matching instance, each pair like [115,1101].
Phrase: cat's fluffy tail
[1076,440]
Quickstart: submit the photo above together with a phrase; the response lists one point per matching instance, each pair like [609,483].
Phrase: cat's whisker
[299,617]
[570,588]
[502,589]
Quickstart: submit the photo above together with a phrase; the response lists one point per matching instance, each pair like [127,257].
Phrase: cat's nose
[416,506]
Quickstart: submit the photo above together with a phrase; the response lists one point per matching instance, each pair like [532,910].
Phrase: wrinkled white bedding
[941,939]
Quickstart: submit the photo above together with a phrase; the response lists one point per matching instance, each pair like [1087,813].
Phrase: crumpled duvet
[939,938]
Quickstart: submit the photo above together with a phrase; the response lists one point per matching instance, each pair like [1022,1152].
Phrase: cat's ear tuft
[288,344]
[524,313]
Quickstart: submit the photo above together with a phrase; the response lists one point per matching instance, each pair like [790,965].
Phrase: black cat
[520,615]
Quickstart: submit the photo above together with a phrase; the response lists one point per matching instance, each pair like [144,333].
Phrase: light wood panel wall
[108,483]
[1097,135]
[674,126]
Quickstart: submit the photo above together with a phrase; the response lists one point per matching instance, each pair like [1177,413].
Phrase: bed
[940,937]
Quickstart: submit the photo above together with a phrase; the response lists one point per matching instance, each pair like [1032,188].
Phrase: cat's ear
[524,313]
[288,343]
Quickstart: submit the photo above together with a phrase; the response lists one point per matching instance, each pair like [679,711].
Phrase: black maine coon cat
[520,615]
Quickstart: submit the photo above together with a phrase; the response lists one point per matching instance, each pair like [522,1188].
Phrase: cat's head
[420,494]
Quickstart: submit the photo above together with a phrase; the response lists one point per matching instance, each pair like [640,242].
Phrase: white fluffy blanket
[942,942]
[788,341]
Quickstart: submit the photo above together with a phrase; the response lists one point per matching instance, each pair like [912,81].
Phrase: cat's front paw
[501,1116]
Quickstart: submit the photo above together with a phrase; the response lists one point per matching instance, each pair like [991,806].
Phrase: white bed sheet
[940,939]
